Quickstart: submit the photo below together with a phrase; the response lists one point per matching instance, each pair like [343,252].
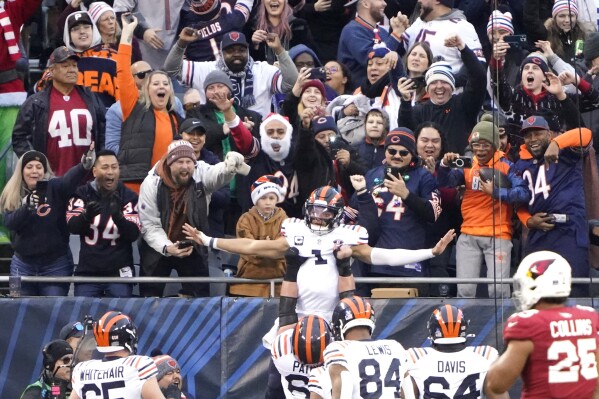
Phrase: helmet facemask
[321,218]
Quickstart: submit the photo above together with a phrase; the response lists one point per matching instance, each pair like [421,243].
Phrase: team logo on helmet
[539,268]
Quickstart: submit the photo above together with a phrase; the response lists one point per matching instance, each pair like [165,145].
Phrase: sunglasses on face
[402,153]
[142,75]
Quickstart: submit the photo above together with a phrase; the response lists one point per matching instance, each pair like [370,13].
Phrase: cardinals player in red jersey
[552,346]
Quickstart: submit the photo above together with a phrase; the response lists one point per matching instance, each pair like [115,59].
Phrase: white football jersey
[117,378]
[434,33]
[294,374]
[320,383]
[318,277]
[450,374]
[376,367]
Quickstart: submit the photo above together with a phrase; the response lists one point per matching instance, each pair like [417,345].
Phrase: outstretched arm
[274,249]
[399,257]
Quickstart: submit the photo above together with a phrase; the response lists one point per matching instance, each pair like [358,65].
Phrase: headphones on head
[49,360]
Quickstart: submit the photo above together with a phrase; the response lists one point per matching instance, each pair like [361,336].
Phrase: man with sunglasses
[396,202]
[114,114]
[492,187]
[54,379]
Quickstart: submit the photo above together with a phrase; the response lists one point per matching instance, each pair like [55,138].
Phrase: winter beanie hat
[179,149]
[485,130]
[499,20]
[440,70]
[207,9]
[537,59]
[165,364]
[34,156]
[315,83]
[268,184]
[96,10]
[218,76]
[591,47]
[564,5]
[402,136]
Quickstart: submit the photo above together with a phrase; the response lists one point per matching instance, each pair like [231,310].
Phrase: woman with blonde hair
[149,120]
[33,205]
[276,17]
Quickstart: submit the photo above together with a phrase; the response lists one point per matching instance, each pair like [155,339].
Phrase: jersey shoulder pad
[334,353]
[415,354]
[282,345]
[486,351]
[145,366]
[289,225]
[586,308]
[353,234]
[522,325]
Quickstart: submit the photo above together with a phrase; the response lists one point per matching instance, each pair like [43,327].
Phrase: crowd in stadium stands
[156,123]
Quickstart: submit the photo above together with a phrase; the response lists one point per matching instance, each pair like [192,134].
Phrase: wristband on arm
[346,294]
[344,267]
[287,314]
[293,261]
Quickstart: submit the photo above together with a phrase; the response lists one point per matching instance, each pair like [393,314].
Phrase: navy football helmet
[310,337]
[115,331]
[352,312]
[323,210]
[447,325]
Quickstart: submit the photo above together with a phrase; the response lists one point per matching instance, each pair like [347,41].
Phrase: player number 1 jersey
[318,277]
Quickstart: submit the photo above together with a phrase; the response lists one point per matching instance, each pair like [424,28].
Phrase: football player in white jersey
[312,243]
[121,373]
[358,366]
[449,369]
[297,352]
[437,21]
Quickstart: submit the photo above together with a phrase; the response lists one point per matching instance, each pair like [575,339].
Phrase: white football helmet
[542,274]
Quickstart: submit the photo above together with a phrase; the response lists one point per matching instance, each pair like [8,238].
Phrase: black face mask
[373,90]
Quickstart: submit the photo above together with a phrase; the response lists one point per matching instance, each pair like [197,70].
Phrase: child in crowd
[262,222]
[372,148]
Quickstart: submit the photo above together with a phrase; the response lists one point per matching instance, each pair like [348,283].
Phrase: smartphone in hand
[318,73]
[41,188]
[184,244]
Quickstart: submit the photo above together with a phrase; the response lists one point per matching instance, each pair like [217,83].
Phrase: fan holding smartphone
[34,205]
